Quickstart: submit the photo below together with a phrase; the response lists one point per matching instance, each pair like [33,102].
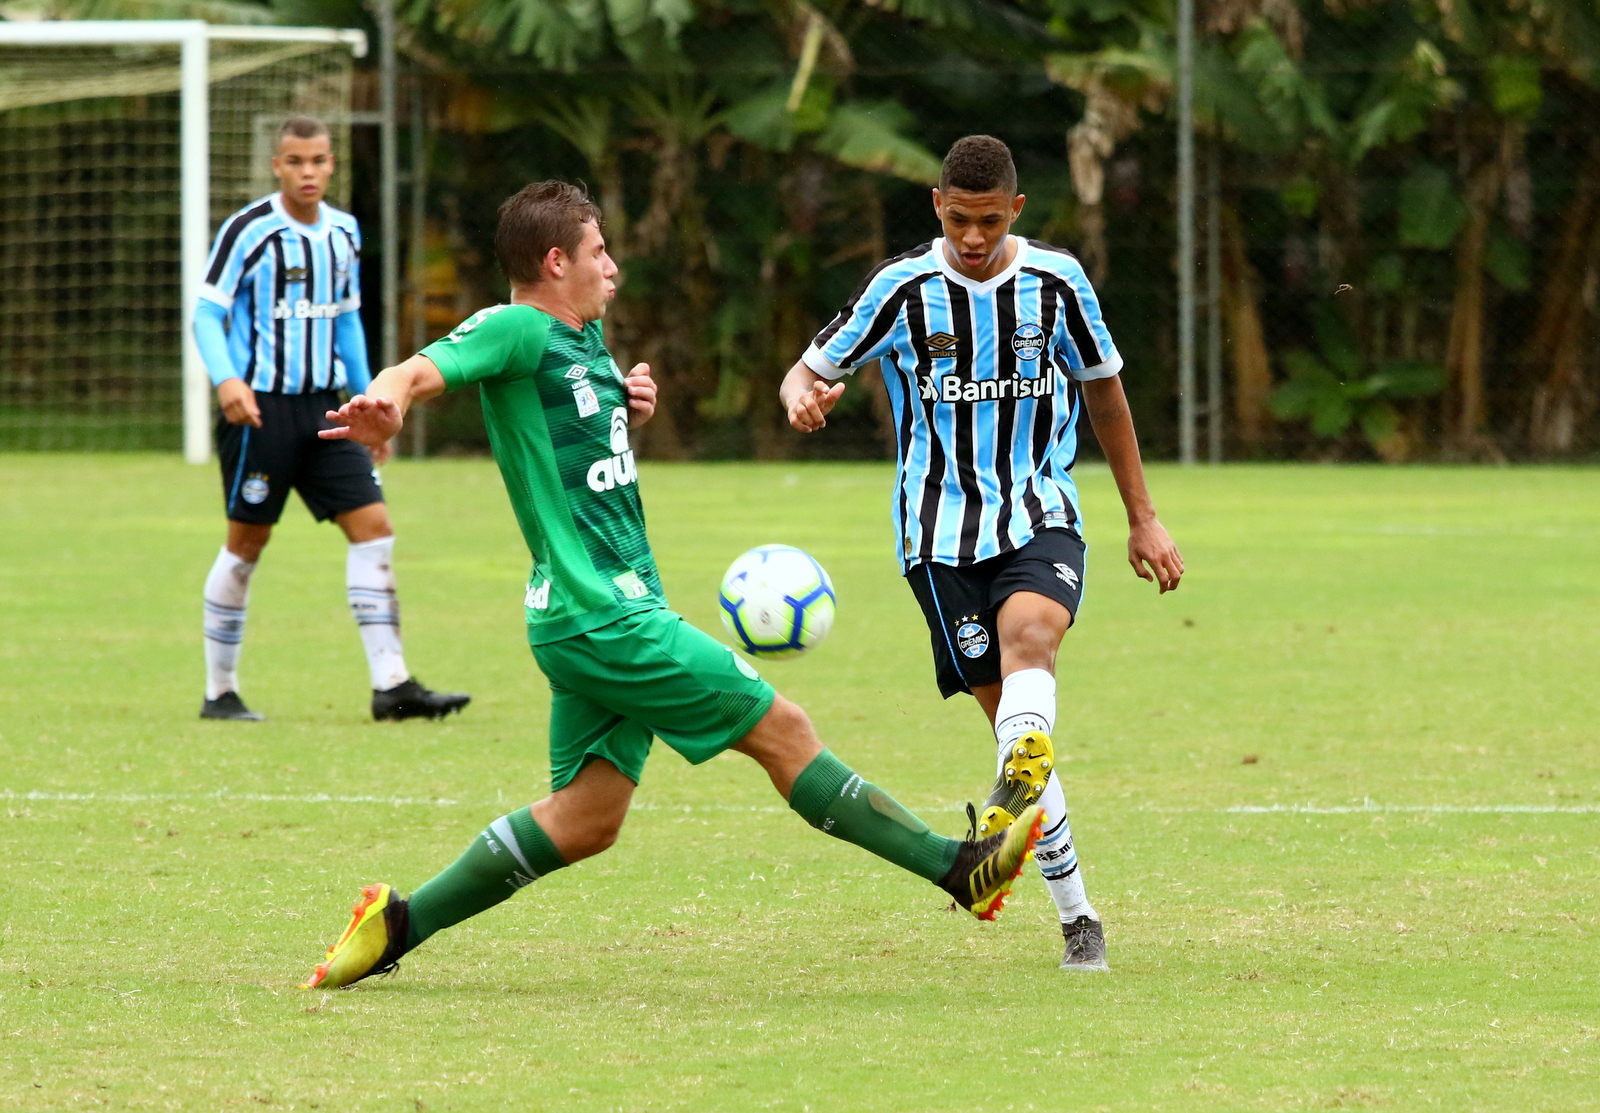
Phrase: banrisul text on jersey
[982,380]
[283,285]
[557,413]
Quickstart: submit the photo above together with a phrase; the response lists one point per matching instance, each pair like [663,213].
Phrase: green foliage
[1508,261]
[1292,101]
[1300,195]
[870,137]
[1514,85]
[1333,389]
[1431,212]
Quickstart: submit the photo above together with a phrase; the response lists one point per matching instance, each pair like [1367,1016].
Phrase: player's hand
[368,421]
[641,394]
[1150,545]
[809,411]
[238,403]
[380,453]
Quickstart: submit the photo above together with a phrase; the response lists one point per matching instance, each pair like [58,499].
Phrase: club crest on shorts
[972,639]
[1028,341]
[255,489]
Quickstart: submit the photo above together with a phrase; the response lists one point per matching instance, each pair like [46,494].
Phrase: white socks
[1028,702]
[369,585]
[227,593]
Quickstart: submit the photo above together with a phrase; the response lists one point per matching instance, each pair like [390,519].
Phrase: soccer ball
[777,602]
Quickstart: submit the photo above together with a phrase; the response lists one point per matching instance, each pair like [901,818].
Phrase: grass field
[1394,906]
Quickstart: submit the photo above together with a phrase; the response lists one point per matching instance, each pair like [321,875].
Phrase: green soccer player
[622,667]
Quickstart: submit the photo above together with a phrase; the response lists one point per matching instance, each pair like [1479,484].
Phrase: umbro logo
[1066,575]
[942,344]
[294,274]
[577,371]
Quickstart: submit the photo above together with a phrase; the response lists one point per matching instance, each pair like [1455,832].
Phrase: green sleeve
[499,340]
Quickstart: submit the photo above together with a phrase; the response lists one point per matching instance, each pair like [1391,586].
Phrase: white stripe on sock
[225,598]
[502,831]
[370,590]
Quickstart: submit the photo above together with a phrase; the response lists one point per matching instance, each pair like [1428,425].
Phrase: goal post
[122,145]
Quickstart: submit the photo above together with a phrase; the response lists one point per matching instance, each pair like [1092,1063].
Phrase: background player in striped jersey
[990,345]
[279,327]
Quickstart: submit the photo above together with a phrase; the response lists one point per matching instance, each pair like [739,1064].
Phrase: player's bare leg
[1021,707]
[370,589]
[247,539]
[227,597]
[584,817]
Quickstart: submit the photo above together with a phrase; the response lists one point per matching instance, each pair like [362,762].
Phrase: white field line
[1366,807]
[222,795]
[1372,807]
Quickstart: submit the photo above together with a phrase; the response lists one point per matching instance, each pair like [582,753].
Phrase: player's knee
[784,726]
[248,547]
[1034,643]
[594,835]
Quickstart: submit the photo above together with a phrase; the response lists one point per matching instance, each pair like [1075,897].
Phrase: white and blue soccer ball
[777,602]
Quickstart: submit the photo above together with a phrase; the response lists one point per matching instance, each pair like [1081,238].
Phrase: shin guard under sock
[511,852]
[369,586]
[835,800]
[227,594]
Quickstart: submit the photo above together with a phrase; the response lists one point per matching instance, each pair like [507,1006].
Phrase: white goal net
[91,259]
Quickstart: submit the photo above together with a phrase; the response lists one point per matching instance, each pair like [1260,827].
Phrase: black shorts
[960,604]
[259,466]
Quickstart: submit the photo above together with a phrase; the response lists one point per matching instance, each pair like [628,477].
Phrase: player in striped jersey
[279,328]
[990,346]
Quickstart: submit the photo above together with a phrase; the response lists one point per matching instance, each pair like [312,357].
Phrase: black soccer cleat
[981,877]
[1086,945]
[229,706]
[410,700]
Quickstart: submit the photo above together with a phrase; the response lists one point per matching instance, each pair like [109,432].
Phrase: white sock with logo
[369,585]
[1028,702]
[226,595]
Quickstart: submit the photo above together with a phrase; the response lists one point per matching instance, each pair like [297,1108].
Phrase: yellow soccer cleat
[983,872]
[372,944]
[1020,783]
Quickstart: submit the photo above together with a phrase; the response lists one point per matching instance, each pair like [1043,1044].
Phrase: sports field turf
[1338,797]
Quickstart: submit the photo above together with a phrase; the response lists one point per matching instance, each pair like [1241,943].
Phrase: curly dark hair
[536,218]
[979,163]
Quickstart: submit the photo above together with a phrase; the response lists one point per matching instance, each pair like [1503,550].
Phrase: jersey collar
[317,231]
[981,287]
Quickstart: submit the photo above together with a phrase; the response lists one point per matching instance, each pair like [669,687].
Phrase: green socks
[514,851]
[511,852]
[834,800]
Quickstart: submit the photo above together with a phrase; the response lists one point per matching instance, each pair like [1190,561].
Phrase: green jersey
[557,413]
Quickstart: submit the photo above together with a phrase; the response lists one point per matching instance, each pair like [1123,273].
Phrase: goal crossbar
[193,37]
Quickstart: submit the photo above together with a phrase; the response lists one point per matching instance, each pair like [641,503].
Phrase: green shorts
[647,674]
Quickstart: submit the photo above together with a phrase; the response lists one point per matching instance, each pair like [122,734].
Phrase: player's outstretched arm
[807,397]
[377,415]
[1150,548]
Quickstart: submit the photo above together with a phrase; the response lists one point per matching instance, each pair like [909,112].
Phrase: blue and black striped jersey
[282,284]
[983,381]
